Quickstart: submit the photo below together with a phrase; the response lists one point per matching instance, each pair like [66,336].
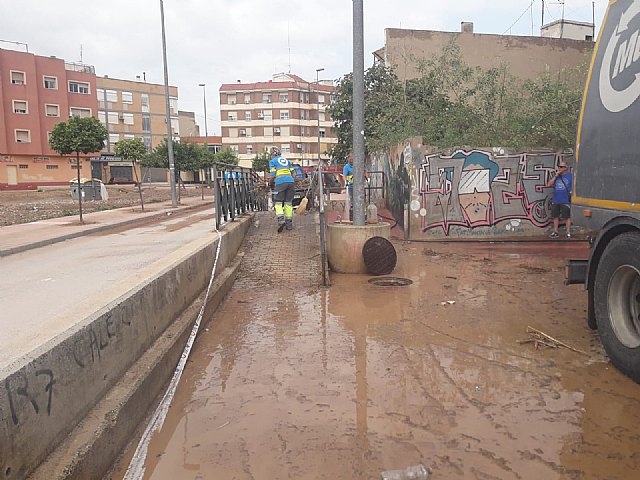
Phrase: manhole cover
[379,256]
[390,282]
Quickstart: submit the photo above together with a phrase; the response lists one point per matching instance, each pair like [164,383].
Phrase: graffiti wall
[469,193]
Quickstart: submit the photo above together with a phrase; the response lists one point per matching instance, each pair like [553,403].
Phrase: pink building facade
[36,93]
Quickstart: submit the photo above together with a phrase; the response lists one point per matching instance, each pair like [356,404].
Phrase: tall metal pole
[358,113]
[206,130]
[542,24]
[323,255]
[172,169]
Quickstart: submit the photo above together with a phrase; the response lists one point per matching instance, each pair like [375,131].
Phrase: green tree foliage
[227,156]
[260,162]
[131,149]
[78,135]
[451,104]
[187,156]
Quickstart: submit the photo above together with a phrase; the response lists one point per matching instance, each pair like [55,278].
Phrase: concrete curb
[49,391]
[93,447]
[101,228]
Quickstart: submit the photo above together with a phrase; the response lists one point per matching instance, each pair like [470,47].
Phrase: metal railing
[377,183]
[236,191]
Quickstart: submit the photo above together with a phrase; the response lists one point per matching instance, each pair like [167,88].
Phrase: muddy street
[291,380]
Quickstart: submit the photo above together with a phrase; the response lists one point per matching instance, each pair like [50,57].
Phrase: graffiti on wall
[476,189]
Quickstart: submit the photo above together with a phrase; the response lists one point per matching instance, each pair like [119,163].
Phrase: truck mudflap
[575,271]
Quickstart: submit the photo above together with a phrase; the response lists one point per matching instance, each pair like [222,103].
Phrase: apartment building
[132,109]
[286,111]
[37,92]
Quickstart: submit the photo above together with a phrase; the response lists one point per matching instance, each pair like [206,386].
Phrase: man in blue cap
[283,183]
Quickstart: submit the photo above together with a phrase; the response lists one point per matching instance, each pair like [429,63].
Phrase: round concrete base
[345,242]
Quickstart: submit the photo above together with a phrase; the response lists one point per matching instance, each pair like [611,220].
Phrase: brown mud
[299,382]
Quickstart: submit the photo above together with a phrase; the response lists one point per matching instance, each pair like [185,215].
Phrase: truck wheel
[617,302]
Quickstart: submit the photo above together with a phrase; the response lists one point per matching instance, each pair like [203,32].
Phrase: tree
[452,105]
[187,156]
[260,163]
[227,156]
[132,149]
[78,135]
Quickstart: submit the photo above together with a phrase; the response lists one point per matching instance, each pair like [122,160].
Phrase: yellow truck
[606,193]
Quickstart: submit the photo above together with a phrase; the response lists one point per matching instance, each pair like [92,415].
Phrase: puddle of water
[357,379]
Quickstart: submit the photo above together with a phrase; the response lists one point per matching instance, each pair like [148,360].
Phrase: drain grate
[390,282]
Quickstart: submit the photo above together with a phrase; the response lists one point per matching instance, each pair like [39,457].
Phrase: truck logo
[628,52]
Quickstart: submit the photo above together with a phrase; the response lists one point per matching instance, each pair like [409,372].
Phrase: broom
[303,203]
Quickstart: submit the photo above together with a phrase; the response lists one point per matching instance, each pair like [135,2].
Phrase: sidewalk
[26,236]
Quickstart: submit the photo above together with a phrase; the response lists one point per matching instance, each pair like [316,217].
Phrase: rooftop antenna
[289,46]
[81,54]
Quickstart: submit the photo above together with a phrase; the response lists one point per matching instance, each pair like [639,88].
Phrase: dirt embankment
[31,206]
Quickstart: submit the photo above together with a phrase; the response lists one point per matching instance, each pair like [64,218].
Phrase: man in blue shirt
[283,183]
[562,185]
[347,174]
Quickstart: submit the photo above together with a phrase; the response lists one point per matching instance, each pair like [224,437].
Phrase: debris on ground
[541,339]
[414,472]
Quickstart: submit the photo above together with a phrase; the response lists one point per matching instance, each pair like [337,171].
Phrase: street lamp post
[321,187]
[172,168]
[206,130]
[358,113]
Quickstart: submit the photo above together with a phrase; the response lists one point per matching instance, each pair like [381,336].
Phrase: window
[18,78]
[100,94]
[247,98]
[266,98]
[128,118]
[268,131]
[234,149]
[285,148]
[231,99]
[233,133]
[114,138]
[102,117]
[175,126]
[50,83]
[52,167]
[173,106]
[79,112]
[23,166]
[112,96]
[321,116]
[113,118]
[284,97]
[79,87]
[276,131]
[284,114]
[247,115]
[144,99]
[147,141]
[322,132]
[146,123]
[20,106]
[127,97]
[23,136]
[243,132]
[249,149]
[268,115]
[232,117]
[248,132]
[75,167]
[129,136]
[51,110]
[321,99]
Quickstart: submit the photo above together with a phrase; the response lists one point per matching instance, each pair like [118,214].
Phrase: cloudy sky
[222,41]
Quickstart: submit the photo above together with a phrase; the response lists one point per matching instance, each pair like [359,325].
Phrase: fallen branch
[541,338]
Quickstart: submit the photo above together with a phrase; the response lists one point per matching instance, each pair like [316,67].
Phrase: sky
[223,41]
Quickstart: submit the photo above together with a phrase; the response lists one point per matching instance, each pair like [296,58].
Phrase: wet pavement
[294,381]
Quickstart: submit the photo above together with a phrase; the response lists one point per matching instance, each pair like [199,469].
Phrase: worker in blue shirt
[347,173]
[283,183]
